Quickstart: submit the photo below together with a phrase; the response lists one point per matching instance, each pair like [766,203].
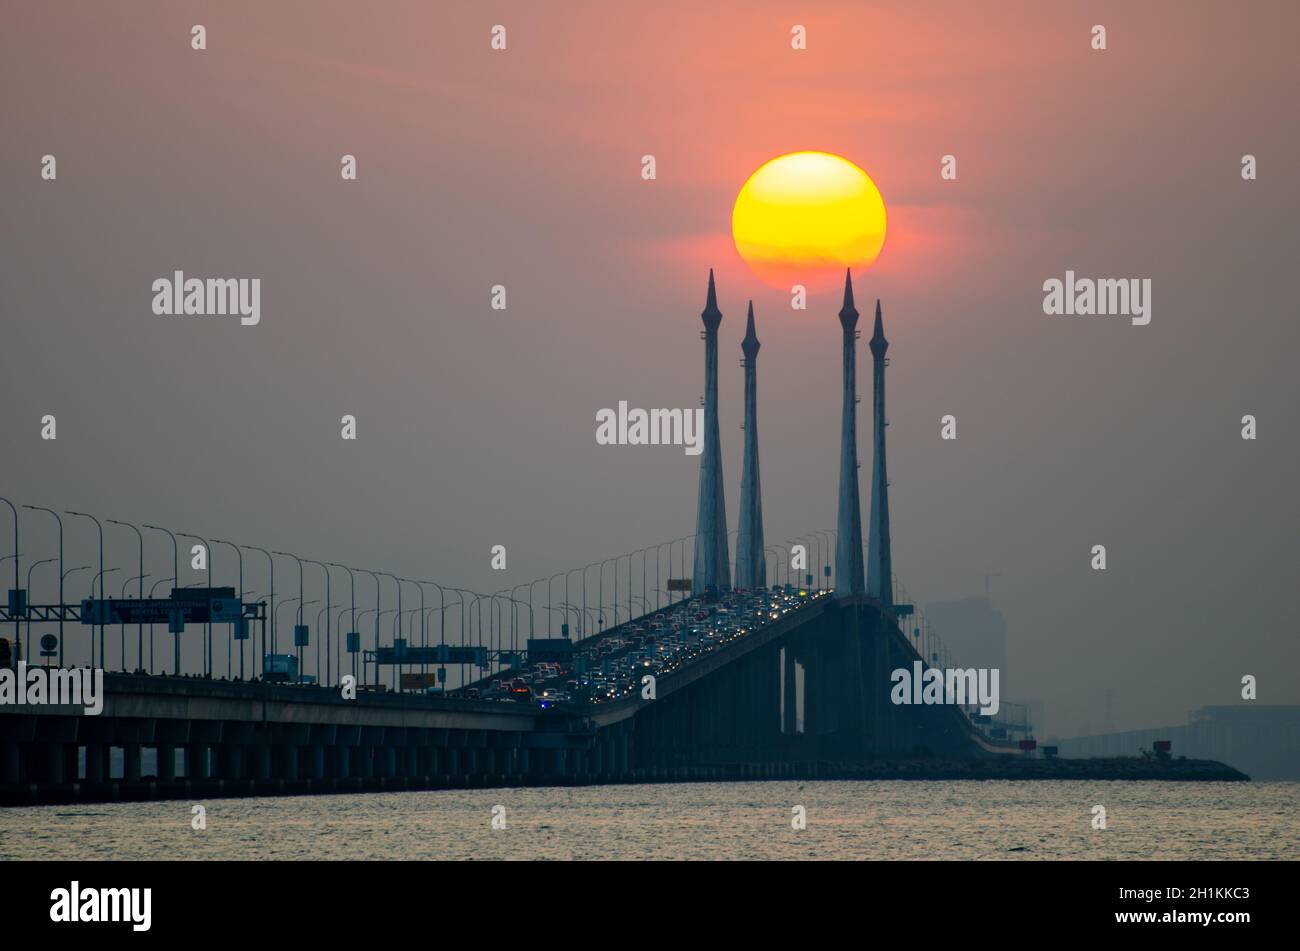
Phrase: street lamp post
[242,628]
[301,603]
[153,588]
[139,627]
[514,643]
[548,600]
[62,580]
[90,594]
[140,580]
[30,568]
[176,580]
[424,623]
[14,510]
[328,603]
[271,603]
[207,628]
[41,508]
[378,597]
[396,667]
[530,603]
[584,597]
[100,528]
[352,578]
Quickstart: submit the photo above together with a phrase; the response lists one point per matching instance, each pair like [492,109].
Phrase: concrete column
[390,761]
[131,763]
[342,762]
[366,761]
[231,767]
[166,768]
[262,758]
[316,761]
[196,761]
[96,762]
[788,722]
[289,763]
[10,763]
[55,763]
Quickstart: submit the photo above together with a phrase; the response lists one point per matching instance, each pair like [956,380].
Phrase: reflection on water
[845,820]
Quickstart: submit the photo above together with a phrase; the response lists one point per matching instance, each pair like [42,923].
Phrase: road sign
[679,584]
[354,642]
[160,610]
[419,681]
[441,654]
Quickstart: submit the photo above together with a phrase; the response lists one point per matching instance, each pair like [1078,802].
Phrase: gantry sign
[185,606]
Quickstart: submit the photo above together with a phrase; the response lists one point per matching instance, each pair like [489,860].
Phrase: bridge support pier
[316,761]
[230,765]
[262,758]
[131,763]
[289,763]
[55,760]
[343,762]
[788,714]
[11,763]
[166,767]
[96,763]
[196,761]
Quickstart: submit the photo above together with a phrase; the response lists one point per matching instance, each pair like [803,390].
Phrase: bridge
[655,676]
[729,712]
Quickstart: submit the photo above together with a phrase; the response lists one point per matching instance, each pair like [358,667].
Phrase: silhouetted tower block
[880,573]
[751,560]
[848,548]
[712,560]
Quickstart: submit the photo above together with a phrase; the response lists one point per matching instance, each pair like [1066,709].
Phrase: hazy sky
[522,168]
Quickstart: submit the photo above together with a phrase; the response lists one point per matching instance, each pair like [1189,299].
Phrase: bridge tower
[751,560]
[880,574]
[848,548]
[712,562]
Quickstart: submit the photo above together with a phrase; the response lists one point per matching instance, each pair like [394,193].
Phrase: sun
[804,217]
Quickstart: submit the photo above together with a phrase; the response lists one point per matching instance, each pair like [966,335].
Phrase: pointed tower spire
[712,562]
[848,549]
[880,571]
[751,560]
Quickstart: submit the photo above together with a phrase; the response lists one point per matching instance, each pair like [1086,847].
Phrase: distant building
[1037,717]
[1261,740]
[975,634]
